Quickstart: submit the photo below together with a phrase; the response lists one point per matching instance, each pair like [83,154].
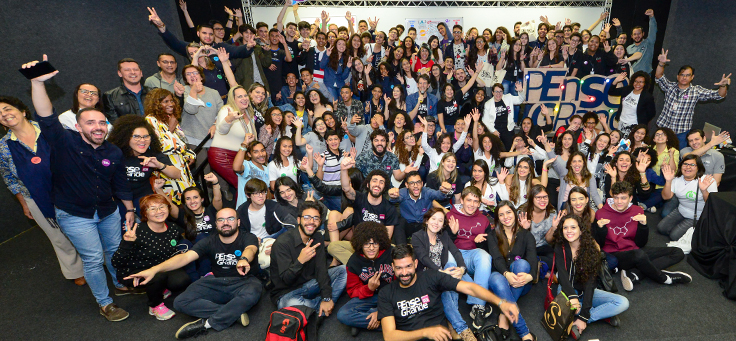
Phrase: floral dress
[174,145]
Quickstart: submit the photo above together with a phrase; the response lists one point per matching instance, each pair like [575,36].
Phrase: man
[711,158]
[411,308]
[681,97]
[363,132]
[412,32]
[456,50]
[251,69]
[622,231]
[262,32]
[567,33]
[88,171]
[312,57]
[298,266]
[362,26]
[259,218]
[461,82]
[343,32]
[377,158]
[292,47]
[368,205]
[645,46]
[309,82]
[560,38]
[167,77]
[347,108]
[421,103]
[445,36]
[304,30]
[399,29]
[575,58]
[393,38]
[225,296]
[368,270]
[541,41]
[280,54]
[286,94]
[517,29]
[576,27]
[415,200]
[472,226]
[127,99]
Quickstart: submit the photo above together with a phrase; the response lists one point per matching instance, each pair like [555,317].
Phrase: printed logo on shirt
[690,195]
[368,216]
[413,306]
[226,259]
[386,270]
[135,172]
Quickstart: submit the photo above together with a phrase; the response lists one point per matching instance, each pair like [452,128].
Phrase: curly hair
[646,134]
[153,108]
[588,259]
[496,146]
[514,190]
[123,132]
[672,140]
[405,156]
[379,173]
[652,152]
[584,172]
[632,175]
[367,230]
[573,147]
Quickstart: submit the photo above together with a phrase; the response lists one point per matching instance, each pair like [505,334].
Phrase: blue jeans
[478,263]
[501,287]
[510,88]
[449,129]
[355,312]
[308,293]
[336,94]
[450,301]
[605,304]
[683,139]
[96,240]
[655,199]
[669,206]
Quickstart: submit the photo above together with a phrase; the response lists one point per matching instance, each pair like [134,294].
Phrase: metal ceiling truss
[436,3]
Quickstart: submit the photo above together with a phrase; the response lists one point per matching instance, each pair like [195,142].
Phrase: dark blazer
[420,242]
[645,110]
[120,102]
[524,247]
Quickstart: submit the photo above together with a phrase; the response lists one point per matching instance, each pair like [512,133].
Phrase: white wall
[480,17]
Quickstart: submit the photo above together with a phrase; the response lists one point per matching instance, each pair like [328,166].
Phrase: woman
[435,51]
[259,102]
[575,123]
[577,260]
[407,77]
[213,68]
[385,79]
[250,162]
[273,129]
[143,157]
[300,102]
[516,188]
[478,53]
[86,96]
[377,50]
[410,48]
[446,172]
[481,179]
[513,63]
[328,165]
[551,57]
[575,174]
[26,171]
[665,147]
[514,254]
[396,103]
[471,35]
[337,67]
[437,80]
[163,113]
[234,121]
[524,39]
[435,250]
[616,137]
[448,107]
[360,80]
[147,245]
[394,57]
[578,204]
[314,138]
[543,220]
[637,104]
[488,147]
[375,104]
[201,105]
[423,64]
[357,50]
[488,35]
[598,154]
[531,130]
[333,123]
[623,65]
[442,146]
[317,106]
[498,113]
[527,149]
[476,100]
[688,179]
[622,170]
[599,61]
[639,137]
[500,41]
[586,35]
[283,161]
[409,153]
[397,124]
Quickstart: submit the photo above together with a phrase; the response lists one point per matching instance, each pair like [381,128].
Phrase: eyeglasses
[456,32]
[88,92]
[222,220]
[542,198]
[371,244]
[691,165]
[315,219]
[660,134]
[141,137]
[158,208]
[191,73]
[414,183]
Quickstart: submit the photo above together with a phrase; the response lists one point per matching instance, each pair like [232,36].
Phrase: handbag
[499,75]
[605,279]
[558,315]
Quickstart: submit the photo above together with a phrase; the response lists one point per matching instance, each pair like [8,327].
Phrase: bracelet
[544,170]
[502,301]
[131,210]
[243,149]
[216,184]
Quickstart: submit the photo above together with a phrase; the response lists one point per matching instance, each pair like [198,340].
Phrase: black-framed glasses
[691,165]
[371,244]
[141,137]
[222,220]
[315,218]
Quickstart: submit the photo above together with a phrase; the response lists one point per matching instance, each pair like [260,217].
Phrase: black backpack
[297,323]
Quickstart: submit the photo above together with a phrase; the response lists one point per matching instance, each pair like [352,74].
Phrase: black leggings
[175,280]
[650,260]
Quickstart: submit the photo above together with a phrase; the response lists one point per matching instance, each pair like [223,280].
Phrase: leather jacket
[120,102]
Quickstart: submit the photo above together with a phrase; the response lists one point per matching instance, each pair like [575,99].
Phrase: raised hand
[211,178]
[42,78]
[151,162]
[355,119]
[640,218]
[641,162]
[725,80]
[541,138]
[222,54]
[558,217]
[524,221]
[319,159]
[249,138]
[662,58]
[606,46]
[667,172]
[308,252]
[548,162]
[604,15]
[649,13]
[610,171]
[298,122]
[616,22]
[183,5]
[310,197]
[229,12]
[705,181]
[375,281]
[232,115]
[602,222]
[129,235]
[309,149]
[475,114]
[347,163]
[607,27]
[304,163]
[178,88]
[502,174]
[158,184]
[620,78]
[353,152]
[154,18]
[325,17]
[716,139]
[348,17]
[519,86]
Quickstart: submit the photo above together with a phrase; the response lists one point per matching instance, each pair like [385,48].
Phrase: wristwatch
[244,258]
[326,299]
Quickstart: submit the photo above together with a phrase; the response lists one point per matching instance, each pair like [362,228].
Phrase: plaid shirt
[344,112]
[679,105]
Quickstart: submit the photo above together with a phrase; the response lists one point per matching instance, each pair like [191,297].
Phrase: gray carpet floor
[39,304]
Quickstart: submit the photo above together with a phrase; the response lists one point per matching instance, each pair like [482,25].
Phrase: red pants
[221,162]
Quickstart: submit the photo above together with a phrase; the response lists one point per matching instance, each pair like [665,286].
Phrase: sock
[207,324]
[668,281]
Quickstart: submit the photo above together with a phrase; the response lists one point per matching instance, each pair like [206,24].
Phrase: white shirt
[258,222]
[275,172]
[68,120]
[628,111]
[480,155]
[685,192]
[411,86]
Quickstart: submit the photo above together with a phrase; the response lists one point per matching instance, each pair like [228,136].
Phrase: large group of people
[345,159]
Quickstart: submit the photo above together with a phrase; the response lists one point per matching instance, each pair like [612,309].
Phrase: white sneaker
[627,283]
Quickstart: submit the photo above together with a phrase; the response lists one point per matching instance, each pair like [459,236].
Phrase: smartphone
[37,70]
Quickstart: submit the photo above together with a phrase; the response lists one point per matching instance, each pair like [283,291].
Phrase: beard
[377,153]
[301,227]
[229,233]
[411,278]
[93,139]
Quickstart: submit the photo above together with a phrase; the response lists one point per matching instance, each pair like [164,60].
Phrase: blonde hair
[441,175]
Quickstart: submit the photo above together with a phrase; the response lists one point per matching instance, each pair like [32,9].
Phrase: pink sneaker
[161,312]
[167,293]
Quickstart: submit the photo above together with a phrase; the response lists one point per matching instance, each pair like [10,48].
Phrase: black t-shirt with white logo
[502,116]
[205,221]
[224,257]
[418,306]
[383,213]
[450,110]
[139,177]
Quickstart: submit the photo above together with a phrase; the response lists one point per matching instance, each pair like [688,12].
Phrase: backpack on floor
[297,323]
